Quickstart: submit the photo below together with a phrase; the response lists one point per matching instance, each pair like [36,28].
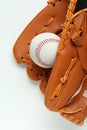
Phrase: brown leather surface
[48,20]
[79,37]
[64,79]
[55,100]
[76,110]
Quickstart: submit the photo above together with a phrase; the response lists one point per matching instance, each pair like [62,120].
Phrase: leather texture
[76,109]
[54,16]
[60,83]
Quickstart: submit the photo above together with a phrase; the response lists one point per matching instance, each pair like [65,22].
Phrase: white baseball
[43,49]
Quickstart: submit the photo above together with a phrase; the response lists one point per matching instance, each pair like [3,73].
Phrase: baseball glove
[67,74]
[60,84]
[53,16]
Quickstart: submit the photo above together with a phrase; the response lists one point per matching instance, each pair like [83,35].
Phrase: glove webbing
[69,14]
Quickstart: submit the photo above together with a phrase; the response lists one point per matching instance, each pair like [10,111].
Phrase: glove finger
[43,84]
[35,72]
[63,82]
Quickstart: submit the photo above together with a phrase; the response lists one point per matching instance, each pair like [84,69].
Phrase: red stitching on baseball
[38,49]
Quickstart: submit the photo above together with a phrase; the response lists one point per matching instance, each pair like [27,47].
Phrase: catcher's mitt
[53,16]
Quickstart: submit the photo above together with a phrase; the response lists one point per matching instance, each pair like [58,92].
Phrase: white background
[21,102]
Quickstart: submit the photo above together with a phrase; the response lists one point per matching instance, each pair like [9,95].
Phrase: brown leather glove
[68,71]
[54,16]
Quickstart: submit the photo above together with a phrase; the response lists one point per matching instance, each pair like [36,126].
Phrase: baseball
[43,49]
